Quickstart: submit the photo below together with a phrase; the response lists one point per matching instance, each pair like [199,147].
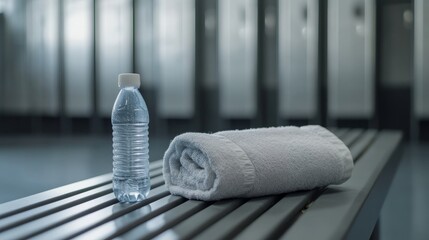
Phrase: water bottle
[130,123]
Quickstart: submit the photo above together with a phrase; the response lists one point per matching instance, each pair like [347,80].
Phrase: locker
[175,39]
[271,48]
[237,58]
[210,45]
[351,52]
[15,96]
[42,50]
[421,59]
[114,49]
[78,49]
[144,42]
[2,57]
[270,55]
[298,58]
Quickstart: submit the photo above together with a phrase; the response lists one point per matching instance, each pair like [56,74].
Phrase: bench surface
[89,210]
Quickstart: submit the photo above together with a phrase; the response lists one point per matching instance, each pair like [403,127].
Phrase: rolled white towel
[255,162]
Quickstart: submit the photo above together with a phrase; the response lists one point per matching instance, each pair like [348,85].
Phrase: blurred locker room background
[206,65]
[215,64]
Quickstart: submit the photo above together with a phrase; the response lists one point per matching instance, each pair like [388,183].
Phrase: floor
[29,165]
[35,164]
[405,214]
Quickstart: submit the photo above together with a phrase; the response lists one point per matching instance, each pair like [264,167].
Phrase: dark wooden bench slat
[46,220]
[273,222]
[344,205]
[43,198]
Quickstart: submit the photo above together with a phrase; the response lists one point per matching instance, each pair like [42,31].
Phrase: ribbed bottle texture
[131,180]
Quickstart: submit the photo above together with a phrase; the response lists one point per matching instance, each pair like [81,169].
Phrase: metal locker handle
[359,14]
[305,19]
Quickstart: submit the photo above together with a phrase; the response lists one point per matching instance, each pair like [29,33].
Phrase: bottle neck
[129,88]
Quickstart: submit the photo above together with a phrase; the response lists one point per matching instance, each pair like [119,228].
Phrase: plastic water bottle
[130,123]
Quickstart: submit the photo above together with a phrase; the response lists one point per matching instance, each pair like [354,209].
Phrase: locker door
[145,42]
[35,47]
[351,58]
[42,49]
[114,49]
[210,45]
[175,38]
[237,58]
[421,59]
[2,58]
[15,85]
[78,50]
[298,55]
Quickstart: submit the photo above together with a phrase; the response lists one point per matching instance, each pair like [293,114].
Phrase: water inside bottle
[131,180]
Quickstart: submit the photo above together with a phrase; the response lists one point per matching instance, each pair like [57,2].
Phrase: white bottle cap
[129,80]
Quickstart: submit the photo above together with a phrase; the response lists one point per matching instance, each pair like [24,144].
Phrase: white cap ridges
[129,80]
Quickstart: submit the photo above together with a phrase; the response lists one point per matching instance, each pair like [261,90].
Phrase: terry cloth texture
[255,162]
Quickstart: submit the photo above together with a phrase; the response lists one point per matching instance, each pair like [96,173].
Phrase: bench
[89,210]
